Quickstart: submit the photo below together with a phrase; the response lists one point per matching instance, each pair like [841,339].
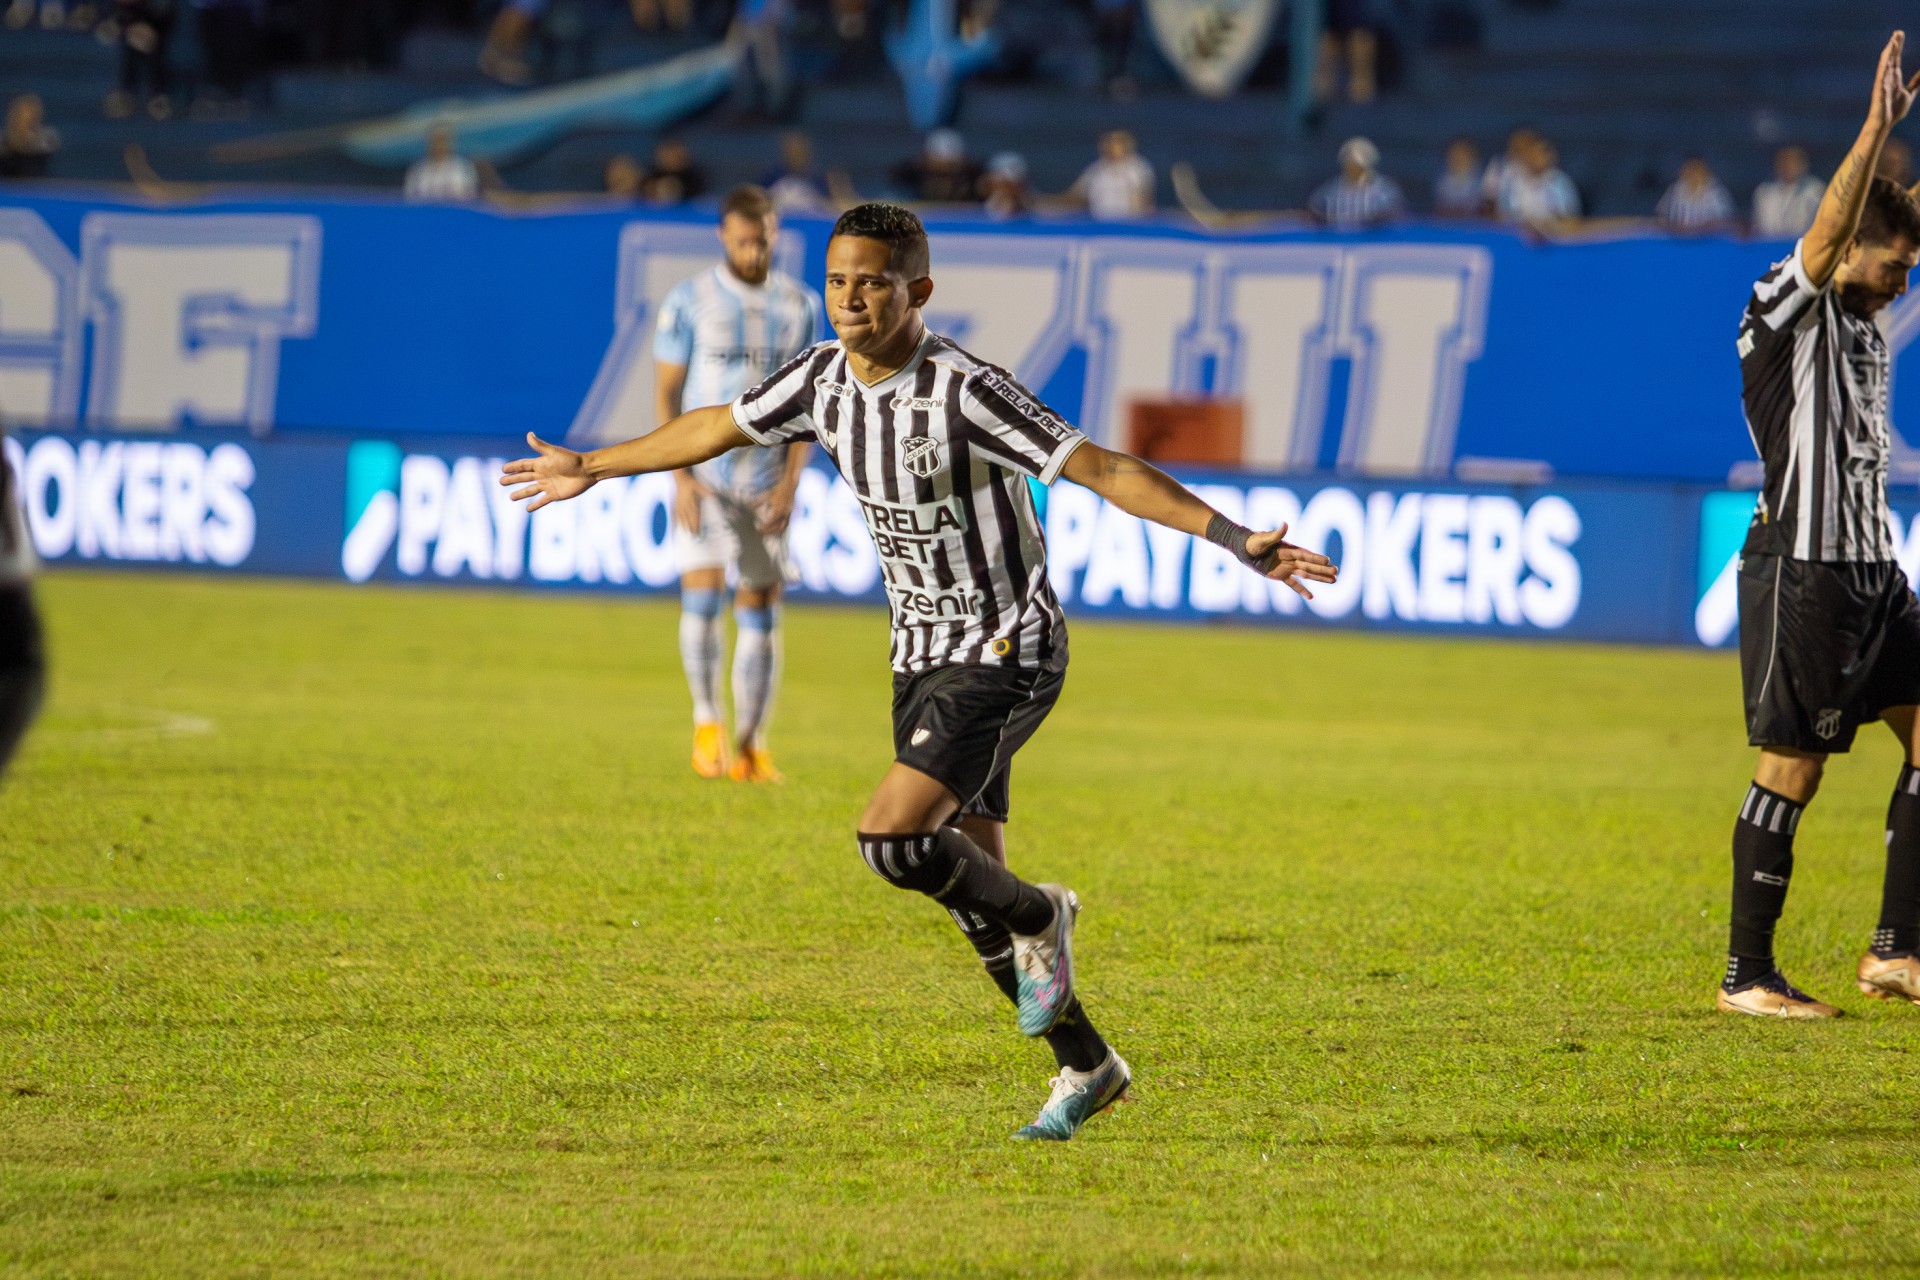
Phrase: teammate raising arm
[939,448]
[1829,627]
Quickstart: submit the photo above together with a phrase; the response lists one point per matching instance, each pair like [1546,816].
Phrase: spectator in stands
[1361,196]
[675,177]
[504,56]
[1506,168]
[229,49]
[1113,24]
[443,174]
[624,178]
[1783,209]
[145,27]
[1457,192]
[1696,201]
[792,185]
[1896,162]
[1004,190]
[941,173]
[651,15]
[1533,192]
[28,144]
[1349,31]
[1117,185]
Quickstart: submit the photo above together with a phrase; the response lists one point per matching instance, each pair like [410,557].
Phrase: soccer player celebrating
[1829,628]
[939,447]
[718,334]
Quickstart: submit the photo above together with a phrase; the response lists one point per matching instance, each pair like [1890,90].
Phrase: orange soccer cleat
[710,751]
[754,764]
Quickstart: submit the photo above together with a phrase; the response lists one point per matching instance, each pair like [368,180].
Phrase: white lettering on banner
[1430,558]
[189,312]
[1259,322]
[39,323]
[454,520]
[828,538]
[138,500]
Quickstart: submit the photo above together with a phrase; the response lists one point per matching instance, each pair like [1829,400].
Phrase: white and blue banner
[1594,560]
[1388,355]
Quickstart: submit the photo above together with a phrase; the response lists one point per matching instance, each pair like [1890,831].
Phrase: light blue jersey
[731,335]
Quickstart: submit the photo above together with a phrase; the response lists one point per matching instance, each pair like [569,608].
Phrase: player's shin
[1762,867]
[700,650]
[756,670]
[1073,1039]
[960,876]
[1899,930]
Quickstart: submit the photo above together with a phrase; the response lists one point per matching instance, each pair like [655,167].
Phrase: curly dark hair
[1890,213]
[897,228]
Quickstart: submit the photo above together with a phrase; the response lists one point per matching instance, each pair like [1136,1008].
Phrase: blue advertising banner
[1392,355]
[1594,560]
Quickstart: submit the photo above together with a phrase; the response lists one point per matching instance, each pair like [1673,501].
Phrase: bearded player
[1829,627]
[718,334]
[939,447]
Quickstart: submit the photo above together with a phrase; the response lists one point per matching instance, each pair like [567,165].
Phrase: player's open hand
[557,474]
[688,494]
[1291,564]
[1893,92]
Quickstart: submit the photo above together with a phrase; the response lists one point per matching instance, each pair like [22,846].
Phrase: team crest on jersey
[920,455]
[1827,723]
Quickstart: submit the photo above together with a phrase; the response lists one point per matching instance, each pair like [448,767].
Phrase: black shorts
[961,725]
[1825,647]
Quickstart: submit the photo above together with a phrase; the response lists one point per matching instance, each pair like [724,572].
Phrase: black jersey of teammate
[1814,381]
[938,455]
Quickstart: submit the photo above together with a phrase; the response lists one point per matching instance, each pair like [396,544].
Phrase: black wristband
[1222,532]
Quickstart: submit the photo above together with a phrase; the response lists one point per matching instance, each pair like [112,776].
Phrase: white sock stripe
[1779,816]
[1793,823]
[1760,813]
[1746,810]
[1911,782]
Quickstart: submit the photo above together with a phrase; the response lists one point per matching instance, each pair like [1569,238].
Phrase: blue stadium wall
[321,388]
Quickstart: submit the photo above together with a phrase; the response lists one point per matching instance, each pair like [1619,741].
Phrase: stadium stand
[1625,89]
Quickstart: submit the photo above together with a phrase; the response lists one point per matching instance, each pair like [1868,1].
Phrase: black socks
[1899,929]
[960,876]
[1073,1040]
[1762,866]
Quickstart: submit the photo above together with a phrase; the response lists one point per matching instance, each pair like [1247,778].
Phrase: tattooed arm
[1839,217]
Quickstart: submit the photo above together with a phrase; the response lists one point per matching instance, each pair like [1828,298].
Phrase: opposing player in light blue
[720,333]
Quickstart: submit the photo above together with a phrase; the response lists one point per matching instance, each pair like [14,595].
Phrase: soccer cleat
[1078,1096]
[1043,965]
[754,764]
[1773,997]
[710,751]
[1895,977]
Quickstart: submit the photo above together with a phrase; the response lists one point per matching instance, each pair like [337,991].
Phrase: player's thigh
[908,802]
[760,558]
[708,551]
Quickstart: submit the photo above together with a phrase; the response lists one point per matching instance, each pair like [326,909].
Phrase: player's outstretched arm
[558,473]
[1142,489]
[1839,216]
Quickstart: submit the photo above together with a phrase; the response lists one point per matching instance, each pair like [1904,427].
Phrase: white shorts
[730,536]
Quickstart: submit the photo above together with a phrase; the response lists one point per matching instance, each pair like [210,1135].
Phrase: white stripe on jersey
[730,335]
[938,455]
[1815,396]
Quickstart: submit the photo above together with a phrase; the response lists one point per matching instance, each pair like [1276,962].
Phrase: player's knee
[1796,776]
[916,862]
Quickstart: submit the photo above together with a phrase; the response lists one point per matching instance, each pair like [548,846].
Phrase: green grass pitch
[385,932]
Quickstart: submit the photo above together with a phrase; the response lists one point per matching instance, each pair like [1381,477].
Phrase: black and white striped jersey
[938,455]
[1814,381]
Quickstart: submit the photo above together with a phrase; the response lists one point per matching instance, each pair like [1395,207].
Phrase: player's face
[869,303]
[1873,275]
[748,243]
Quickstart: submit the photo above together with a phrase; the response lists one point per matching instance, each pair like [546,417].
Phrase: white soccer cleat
[1043,965]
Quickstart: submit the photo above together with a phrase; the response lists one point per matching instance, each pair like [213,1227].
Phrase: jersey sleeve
[673,332]
[1779,299]
[1009,425]
[781,408]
